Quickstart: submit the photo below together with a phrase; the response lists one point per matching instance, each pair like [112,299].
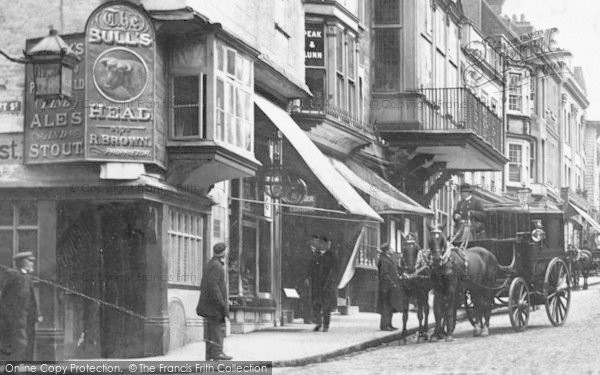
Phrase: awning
[339,188]
[586,217]
[385,198]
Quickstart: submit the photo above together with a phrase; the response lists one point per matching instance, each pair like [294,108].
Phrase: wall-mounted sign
[11,148]
[314,44]
[10,106]
[54,129]
[120,61]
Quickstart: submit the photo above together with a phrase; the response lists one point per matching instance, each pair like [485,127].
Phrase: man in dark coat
[389,286]
[18,310]
[469,208]
[323,284]
[213,303]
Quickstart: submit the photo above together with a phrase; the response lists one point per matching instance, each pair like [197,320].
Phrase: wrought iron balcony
[459,108]
[321,107]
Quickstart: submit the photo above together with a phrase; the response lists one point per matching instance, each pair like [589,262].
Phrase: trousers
[213,336]
[321,315]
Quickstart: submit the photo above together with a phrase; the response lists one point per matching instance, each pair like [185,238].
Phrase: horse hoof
[476,332]
[449,338]
[485,332]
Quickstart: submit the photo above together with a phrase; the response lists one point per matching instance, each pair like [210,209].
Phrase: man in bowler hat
[469,209]
[18,310]
[213,303]
[389,284]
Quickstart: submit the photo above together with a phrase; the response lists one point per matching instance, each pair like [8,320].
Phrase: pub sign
[120,62]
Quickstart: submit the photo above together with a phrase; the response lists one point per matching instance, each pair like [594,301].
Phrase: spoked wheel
[557,291]
[470,307]
[518,304]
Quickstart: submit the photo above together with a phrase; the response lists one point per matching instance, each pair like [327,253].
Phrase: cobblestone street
[541,349]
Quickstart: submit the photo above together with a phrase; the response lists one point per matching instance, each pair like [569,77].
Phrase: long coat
[323,279]
[213,302]
[391,288]
[18,315]
[473,206]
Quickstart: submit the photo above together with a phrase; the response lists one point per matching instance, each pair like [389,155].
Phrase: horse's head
[437,244]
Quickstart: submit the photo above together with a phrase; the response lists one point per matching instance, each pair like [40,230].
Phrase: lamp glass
[47,77]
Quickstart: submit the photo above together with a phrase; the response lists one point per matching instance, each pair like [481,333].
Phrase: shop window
[18,229]
[234,109]
[185,247]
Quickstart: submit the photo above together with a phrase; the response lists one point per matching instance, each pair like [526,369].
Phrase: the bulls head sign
[119,107]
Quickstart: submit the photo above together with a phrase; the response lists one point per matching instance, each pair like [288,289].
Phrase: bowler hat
[384,246]
[219,248]
[466,188]
[24,255]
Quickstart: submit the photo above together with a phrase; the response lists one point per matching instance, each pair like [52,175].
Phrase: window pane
[27,241]
[339,50]
[220,57]
[6,247]
[315,80]
[27,213]
[387,60]
[6,213]
[186,122]
[239,64]
[514,173]
[351,52]
[220,123]
[230,126]
[239,105]
[340,102]
[230,62]
[220,94]
[249,136]
[185,90]
[386,12]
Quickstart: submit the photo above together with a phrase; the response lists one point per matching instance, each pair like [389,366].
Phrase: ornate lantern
[53,62]
[275,179]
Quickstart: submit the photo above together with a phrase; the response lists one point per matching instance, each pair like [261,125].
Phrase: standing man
[18,310]
[323,284]
[389,283]
[469,209]
[213,304]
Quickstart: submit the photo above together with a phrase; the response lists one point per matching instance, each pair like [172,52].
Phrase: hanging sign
[121,52]
[314,44]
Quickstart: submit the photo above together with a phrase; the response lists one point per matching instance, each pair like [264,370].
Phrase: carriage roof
[533,209]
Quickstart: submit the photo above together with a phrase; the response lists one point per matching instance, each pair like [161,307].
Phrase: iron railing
[319,106]
[459,108]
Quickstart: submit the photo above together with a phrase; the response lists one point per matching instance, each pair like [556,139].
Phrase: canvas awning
[385,198]
[586,217]
[319,164]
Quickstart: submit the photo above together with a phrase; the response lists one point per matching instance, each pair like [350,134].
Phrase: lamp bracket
[14,59]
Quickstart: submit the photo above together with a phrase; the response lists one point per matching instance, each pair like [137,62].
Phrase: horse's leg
[404,320]
[585,274]
[478,325]
[438,315]
[425,302]
[419,315]
[451,312]
[487,311]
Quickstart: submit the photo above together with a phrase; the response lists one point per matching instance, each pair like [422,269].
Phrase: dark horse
[581,263]
[418,283]
[452,273]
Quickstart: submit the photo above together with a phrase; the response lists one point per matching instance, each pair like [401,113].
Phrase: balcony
[450,123]
[332,126]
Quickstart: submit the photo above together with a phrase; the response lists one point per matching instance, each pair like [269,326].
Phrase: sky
[578,22]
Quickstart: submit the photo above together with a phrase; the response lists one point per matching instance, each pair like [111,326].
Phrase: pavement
[296,344]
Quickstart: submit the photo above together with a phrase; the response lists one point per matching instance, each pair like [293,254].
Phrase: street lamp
[53,62]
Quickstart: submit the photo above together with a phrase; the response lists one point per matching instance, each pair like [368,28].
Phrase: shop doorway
[100,253]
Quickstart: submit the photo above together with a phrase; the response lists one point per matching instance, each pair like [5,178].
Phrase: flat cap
[24,255]
[219,248]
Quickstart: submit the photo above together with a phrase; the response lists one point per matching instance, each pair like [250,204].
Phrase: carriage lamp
[538,233]
[53,63]
[524,195]
[275,179]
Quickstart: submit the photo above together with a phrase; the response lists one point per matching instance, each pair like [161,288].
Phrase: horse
[452,273]
[581,263]
[414,263]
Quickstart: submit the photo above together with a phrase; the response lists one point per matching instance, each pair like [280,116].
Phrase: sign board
[314,44]
[120,50]
[54,129]
[11,148]
[10,106]
[309,201]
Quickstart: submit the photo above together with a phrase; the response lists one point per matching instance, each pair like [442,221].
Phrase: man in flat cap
[469,209]
[213,304]
[18,310]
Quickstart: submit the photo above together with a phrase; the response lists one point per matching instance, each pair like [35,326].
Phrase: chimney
[496,6]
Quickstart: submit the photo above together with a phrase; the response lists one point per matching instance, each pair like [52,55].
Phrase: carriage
[540,276]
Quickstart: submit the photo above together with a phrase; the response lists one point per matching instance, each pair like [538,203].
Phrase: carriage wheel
[557,291]
[470,307]
[518,304]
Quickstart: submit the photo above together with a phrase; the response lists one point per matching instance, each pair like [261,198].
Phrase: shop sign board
[54,128]
[314,45]
[11,148]
[120,47]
